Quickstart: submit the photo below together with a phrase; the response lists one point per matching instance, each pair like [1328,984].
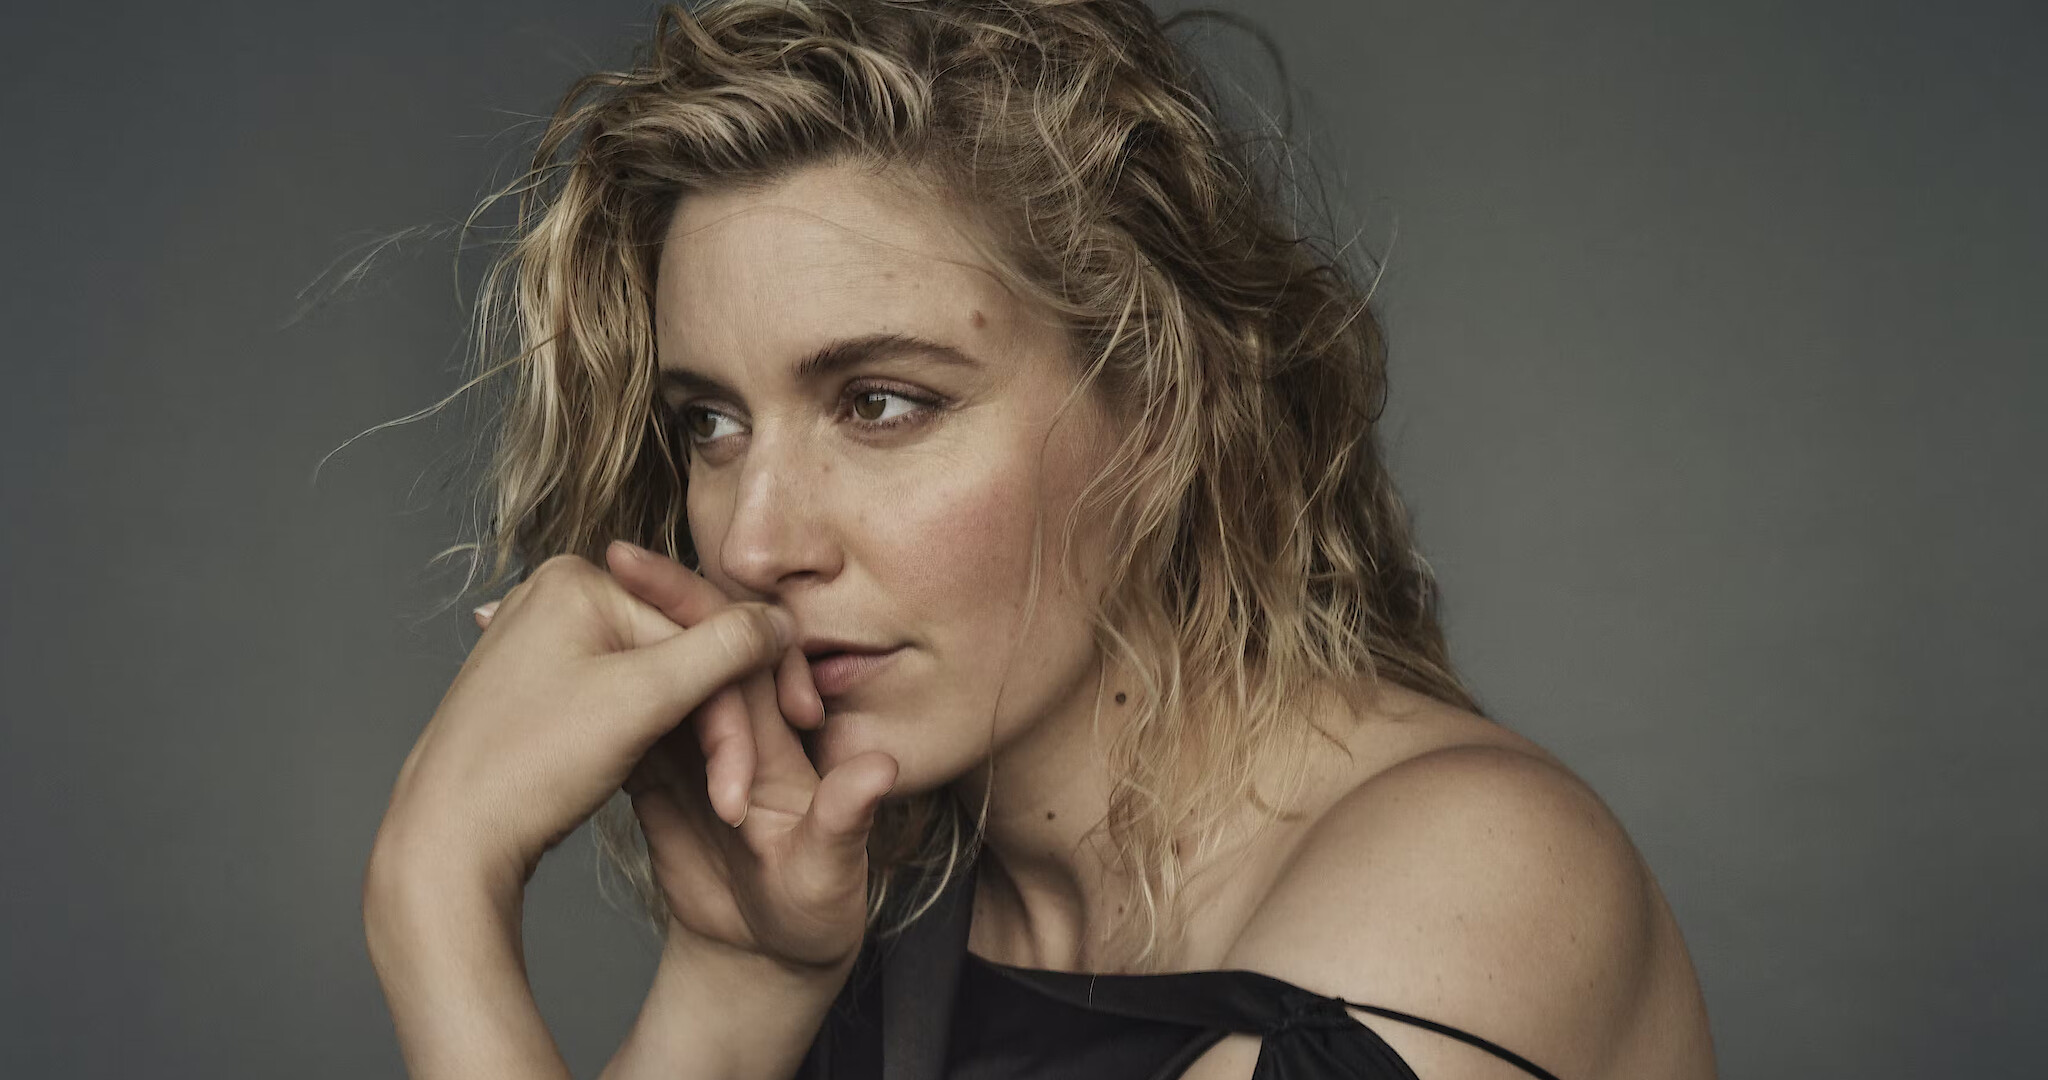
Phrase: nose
[776,534]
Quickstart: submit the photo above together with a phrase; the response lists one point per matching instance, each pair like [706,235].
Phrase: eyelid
[871,384]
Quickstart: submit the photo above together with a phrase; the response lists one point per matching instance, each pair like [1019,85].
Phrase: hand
[790,880]
[724,725]
[573,683]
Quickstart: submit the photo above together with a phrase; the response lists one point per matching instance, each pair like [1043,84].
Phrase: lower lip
[840,672]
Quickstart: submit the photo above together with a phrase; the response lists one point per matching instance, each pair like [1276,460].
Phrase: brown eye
[702,424]
[878,408]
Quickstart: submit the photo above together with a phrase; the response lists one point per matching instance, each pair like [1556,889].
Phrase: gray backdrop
[1718,366]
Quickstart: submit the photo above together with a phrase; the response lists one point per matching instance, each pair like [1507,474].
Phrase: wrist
[407,871]
[735,1013]
[417,906]
[447,950]
[683,950]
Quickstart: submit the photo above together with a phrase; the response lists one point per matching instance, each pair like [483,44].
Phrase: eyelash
[927,405]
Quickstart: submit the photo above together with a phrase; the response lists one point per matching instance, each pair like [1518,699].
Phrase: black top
[923,1008]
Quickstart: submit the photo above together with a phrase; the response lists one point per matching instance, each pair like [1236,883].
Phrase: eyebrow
[833,357]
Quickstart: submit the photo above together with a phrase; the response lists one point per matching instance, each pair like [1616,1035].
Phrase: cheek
[960,537]
[707,515]
[960,565]
[965,542]
[704,532]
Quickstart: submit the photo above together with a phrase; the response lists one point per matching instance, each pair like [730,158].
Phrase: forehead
[829,252]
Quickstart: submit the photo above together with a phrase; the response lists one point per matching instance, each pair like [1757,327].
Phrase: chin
[923,763]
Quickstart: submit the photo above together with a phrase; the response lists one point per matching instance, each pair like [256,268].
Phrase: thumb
[673,676]
[834,831]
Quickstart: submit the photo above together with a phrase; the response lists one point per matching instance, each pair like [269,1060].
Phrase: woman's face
[874,423]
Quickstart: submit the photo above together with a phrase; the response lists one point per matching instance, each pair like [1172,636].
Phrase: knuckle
[566,579]
[509,602]
[557,570]
[744,634]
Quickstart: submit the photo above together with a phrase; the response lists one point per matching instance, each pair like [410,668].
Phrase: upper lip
[814,647]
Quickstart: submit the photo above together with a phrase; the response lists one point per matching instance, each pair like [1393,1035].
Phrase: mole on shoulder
[1048,815]
[1120,697]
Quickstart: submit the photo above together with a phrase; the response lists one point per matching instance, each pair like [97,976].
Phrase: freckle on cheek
[972,542]
[976,319]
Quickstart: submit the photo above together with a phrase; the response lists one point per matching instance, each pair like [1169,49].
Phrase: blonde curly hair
[1260,550]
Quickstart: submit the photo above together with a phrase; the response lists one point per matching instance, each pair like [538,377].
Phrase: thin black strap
[1497,1050]
[926,968]
[1235,1000]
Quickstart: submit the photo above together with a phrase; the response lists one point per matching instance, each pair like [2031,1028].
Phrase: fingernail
[743,815]
[487,610]
[630,549]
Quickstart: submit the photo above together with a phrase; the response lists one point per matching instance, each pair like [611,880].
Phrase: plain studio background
[1718,368]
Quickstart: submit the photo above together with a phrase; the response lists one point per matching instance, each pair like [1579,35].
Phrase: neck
[1048,892]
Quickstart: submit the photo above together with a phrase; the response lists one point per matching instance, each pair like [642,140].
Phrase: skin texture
[1442,865]
[917,536]
[572,685]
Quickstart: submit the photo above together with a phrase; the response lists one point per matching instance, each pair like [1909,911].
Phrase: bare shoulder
[1482,885]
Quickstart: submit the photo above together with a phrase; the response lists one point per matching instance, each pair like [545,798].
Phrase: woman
[1031,673]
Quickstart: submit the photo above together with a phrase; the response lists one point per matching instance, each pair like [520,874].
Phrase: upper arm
[1477,887]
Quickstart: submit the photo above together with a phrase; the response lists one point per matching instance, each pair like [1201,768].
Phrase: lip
[840,670]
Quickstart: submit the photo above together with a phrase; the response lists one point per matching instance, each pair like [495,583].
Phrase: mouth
[837,668]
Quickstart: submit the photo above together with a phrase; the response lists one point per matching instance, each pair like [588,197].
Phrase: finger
[796,693]
[677,842]
[668,678]
[783,774]
[639,623]
[672,588]
[488,611]
[833,834]
[744,738]
[485,612]
[690,863]
[687,599]
[727,739]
